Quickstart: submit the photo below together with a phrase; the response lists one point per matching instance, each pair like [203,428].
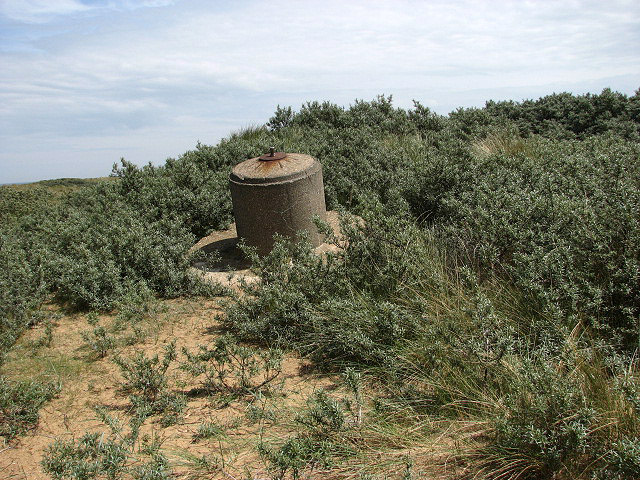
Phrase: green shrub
[450,343]
[295,455]
[232,368]
[561,223]
[145,380]
[92,457]
[19,405]
[547,419]
[488,236]
[338,308]
[185,190]
[564,417]
[622,461]
[515,211]
[155,469]
[23,285]
[101,456]
[567,115]
[323,417]
[324,435]
[556,216]
[98,340]
[15,204]
[104,249]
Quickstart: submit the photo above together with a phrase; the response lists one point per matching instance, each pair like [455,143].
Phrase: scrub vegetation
[481,312]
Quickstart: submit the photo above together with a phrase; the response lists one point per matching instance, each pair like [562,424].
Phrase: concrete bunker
[277,193]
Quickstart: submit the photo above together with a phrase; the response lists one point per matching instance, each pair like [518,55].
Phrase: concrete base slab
[232,268]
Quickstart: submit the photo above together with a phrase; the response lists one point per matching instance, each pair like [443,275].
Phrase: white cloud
[123,67]
[40,11]
[44,11]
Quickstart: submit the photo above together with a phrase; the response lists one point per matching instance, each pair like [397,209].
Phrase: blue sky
[83,83]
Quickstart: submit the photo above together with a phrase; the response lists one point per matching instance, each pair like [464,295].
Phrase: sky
[86,82]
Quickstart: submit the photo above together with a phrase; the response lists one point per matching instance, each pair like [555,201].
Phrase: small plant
[137,335]
[100,456]
[234,369]
[353,381]
[322,438]
[94,456]
[212,430]
[260,411]
[295,455]
[19,405]
[46,338]
[209,430]
[146,377]
[323,417]
[150,444]
[98,340]
[156,469]
[137,304]
[145,381]
[203,464]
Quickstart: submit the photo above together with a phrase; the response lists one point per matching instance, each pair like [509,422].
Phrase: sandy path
[87,383]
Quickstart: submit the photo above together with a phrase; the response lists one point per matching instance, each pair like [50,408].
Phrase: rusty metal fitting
[272,155]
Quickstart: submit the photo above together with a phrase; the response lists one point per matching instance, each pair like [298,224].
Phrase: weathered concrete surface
[279,196]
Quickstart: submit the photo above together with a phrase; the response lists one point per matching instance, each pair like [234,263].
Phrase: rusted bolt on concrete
[272,155]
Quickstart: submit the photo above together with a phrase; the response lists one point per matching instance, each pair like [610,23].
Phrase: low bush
[564,417]
[98,340]
[101,455]
[16,204]
[23,284]
[487,237]
[234,369]
[156,469]
[145,381]
[545,412]
[92,457]
[338,308]
[560,223]
[105,249]
[19,405]
[447,343]
[295,455]
[327,430]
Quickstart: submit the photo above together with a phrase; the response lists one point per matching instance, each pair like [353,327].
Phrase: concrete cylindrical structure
[277,196]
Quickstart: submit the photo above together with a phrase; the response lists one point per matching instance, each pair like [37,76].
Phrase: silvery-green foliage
[234,369]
